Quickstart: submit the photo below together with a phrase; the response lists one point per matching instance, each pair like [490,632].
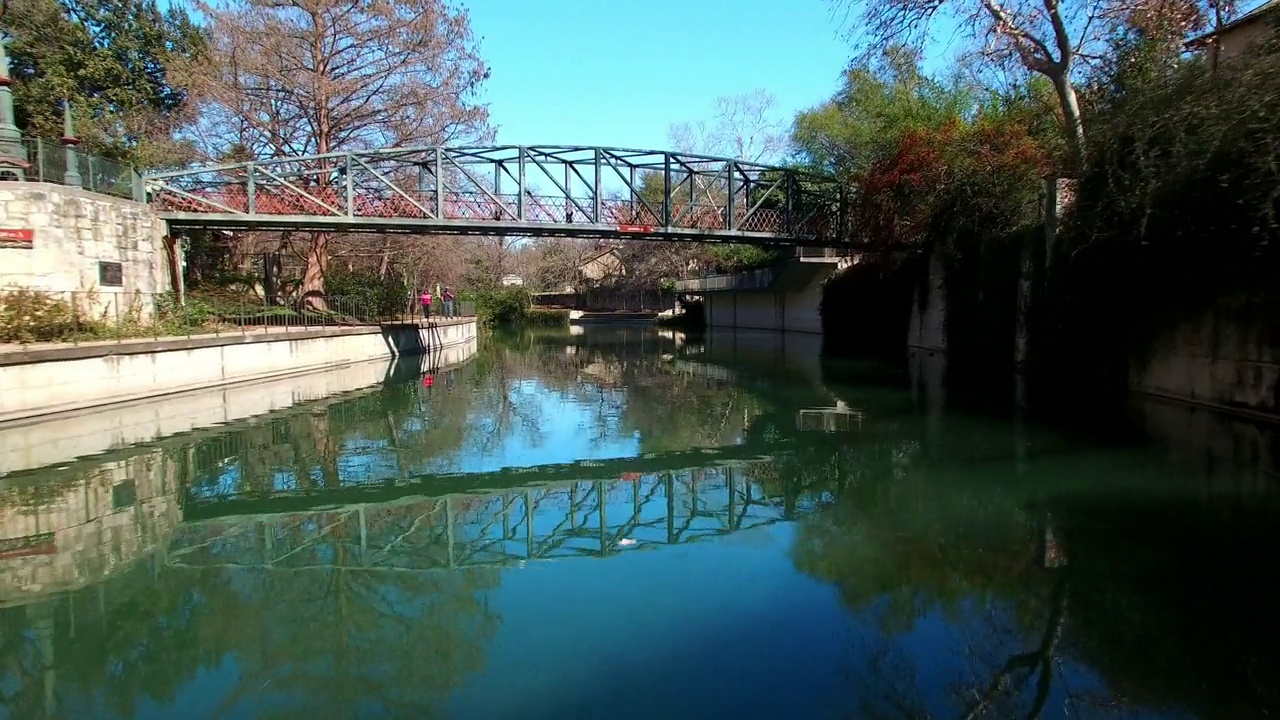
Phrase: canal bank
[43,380]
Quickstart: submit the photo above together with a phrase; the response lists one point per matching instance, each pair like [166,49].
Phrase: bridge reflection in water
[564,520]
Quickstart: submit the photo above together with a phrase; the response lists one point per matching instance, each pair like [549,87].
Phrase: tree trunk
[271,267]
[1072,124]
[313,278]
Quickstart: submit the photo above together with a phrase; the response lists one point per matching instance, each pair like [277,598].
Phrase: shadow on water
[638,523]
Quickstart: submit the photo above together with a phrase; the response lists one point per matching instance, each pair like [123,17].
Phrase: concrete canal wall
[57,439]
[36,381]
[108,493]
[1227,357]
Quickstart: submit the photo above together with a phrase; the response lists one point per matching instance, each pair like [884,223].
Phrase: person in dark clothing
[448,303]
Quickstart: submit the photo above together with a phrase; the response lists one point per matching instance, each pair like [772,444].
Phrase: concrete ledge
[43,381]
[13,354]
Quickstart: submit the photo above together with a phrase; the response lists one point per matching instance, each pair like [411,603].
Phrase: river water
[631,523]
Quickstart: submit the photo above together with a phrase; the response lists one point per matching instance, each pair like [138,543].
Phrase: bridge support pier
[787,297]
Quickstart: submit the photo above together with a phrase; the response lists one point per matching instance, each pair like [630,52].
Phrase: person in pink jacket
[425,300]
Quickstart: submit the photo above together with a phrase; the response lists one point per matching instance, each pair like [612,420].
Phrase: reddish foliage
[940,177]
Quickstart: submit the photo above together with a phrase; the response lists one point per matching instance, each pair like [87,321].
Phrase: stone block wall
[73,231]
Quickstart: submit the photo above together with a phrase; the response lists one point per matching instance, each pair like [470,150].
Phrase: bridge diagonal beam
[765,196]
[298,190]
[597,174]
[562,187]
[203,201]
[636,196]
[502,206]
[383,179]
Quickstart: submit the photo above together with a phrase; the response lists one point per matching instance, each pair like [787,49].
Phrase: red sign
[635,228]
[17,237]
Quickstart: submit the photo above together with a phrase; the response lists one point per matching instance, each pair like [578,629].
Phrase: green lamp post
[13,156]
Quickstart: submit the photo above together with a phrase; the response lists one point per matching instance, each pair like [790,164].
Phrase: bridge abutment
[785,298]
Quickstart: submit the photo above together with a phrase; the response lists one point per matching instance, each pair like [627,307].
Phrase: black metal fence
[29,316]
[47,162]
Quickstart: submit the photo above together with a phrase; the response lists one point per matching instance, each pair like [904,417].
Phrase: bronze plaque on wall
[110,274]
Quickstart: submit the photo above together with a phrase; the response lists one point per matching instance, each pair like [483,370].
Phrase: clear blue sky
[618,72]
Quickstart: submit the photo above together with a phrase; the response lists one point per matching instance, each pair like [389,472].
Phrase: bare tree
[489,258]
[291,78]
[554,262]
[744,127]
[1054,38]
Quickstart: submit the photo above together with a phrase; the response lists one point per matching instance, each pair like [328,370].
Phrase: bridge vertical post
[507,503]
[729,223]
[568,194]
[729,480]
[520,183]
[528,525]
[632,194]
[251,188]
[671,508]
[601,496]
[598,201]
[348,167]
[788,219]
[666,190]
[448,528]
[439,185]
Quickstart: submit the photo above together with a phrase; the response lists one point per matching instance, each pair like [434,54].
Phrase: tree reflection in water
[1070,585]
[335,643]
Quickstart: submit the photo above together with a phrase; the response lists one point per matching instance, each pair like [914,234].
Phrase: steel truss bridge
[548,191]
[564,519]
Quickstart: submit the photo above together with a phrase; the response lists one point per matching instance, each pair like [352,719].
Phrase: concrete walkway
[146,344]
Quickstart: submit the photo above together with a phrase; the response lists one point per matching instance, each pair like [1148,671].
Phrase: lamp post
[13,157]
[69,142]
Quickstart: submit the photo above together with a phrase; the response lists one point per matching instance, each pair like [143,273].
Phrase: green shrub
[513,306]
[372,293]
[547,317]
[503,307]
[32,316]
[175,317]
[736,258]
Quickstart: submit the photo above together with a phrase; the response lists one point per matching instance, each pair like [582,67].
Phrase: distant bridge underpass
[546,191]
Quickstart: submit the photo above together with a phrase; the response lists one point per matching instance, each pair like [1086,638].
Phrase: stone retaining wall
[72,233]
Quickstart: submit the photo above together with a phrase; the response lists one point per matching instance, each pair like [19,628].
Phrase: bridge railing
[758,279]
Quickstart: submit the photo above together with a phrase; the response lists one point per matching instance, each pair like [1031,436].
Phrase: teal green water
[633,524]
